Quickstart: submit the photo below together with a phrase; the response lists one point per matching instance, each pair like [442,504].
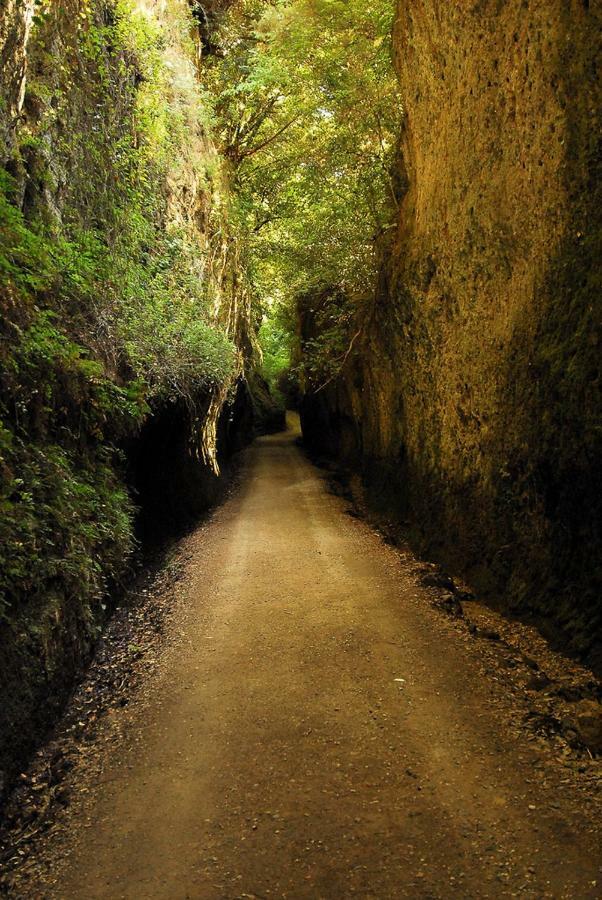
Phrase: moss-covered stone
[123,312]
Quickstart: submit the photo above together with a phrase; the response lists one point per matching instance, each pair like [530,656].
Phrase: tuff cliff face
[127,330]
[471,404]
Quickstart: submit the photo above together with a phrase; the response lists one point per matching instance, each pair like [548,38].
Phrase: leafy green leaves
[309,113]
[109,307]
[59,523]
[309,110]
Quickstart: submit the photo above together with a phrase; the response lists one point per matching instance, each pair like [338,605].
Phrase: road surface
[317,729]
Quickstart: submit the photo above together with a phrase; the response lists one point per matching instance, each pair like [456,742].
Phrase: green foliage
[25,263]
[161,320]
[276,343]
[72,384]
[105,312]
[61,523]
[65,518]
[327,336]
[310,114]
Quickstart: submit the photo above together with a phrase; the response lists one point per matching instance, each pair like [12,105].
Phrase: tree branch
[244,154]
[343,361]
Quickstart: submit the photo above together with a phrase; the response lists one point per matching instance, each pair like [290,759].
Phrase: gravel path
[316,729]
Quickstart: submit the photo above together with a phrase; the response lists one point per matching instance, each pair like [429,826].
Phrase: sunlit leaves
[309,111]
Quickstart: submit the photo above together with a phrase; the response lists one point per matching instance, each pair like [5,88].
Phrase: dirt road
[317,730]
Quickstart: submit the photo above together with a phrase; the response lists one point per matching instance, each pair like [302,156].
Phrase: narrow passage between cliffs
[314,728]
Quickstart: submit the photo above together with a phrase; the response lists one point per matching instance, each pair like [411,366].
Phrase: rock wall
[127,335]
[471,405]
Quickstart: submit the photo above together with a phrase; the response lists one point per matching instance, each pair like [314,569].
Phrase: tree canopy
[308,114]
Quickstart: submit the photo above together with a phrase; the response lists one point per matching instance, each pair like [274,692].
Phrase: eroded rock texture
[472,404]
